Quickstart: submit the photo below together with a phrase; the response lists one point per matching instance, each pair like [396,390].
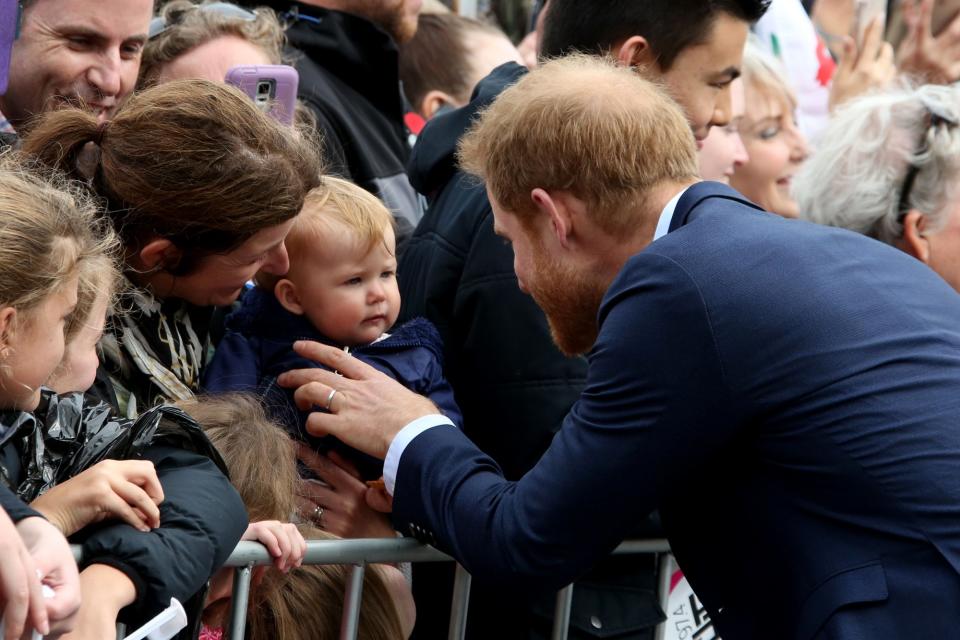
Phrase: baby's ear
[287,296]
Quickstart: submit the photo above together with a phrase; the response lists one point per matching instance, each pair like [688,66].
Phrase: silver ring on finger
[333,392]
[317,516]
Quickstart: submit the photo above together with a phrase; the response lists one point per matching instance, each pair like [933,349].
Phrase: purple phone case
[8,31]
[285,77]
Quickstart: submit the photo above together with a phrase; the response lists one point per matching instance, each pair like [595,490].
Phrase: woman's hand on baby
[342,504]
[127,490]
[282,540]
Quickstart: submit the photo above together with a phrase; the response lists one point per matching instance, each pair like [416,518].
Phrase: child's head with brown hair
[49,234]
[307,602]
[343,265]
[259,454]
[200,184]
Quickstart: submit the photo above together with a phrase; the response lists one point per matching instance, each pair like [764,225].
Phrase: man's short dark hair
[670,26]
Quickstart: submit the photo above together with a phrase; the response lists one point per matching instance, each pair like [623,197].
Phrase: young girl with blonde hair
[167,520]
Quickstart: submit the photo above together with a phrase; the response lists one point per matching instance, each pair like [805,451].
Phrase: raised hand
[934,60]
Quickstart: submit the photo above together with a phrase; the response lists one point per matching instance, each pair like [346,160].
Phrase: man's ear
[434,101]
[913,240]
[555,207]
[636,52]
[158,254]
[287,296]
[8,316]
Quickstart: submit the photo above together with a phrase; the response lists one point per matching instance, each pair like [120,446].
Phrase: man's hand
[860,70]
[52,560]
[935,60]
[127,490]
[367,410]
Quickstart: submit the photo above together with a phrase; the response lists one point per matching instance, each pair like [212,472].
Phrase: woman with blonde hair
[774,145]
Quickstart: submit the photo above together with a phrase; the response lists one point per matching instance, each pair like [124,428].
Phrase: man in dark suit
[785,394]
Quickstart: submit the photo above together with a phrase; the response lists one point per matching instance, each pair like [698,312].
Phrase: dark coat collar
[699,192]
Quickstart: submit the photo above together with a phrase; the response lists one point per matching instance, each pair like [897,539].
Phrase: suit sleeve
[654,387]
[201,521]
[15,508]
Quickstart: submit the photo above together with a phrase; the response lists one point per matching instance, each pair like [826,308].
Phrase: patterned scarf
[154,350]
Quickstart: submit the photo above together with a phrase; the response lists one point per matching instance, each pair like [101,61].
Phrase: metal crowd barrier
[361,552]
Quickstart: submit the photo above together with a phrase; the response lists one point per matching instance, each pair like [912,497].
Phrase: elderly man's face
[76,50]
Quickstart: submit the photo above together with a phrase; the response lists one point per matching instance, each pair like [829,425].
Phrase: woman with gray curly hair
[888,167]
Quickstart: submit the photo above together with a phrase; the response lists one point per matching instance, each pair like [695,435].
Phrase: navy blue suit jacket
[786,394]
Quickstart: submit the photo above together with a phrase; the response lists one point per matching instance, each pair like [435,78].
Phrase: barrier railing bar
[374,550]
[360,552]
[459,604]
[561,614]
[350,623]
[239,601]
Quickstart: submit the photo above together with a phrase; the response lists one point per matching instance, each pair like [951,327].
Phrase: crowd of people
[682,268]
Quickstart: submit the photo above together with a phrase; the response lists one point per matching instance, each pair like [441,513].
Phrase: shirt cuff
[404,437]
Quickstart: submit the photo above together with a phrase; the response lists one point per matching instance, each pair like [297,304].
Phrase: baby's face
[350,296]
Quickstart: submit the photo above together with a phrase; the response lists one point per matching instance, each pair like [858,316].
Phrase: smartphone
[272,87]
[865,12]
[9,22]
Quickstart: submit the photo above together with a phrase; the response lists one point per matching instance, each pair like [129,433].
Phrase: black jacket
[16,508]
[512,384]
[201,516]
[510,381]
[350,80]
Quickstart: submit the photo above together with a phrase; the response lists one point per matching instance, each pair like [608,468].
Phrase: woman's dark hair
[670,26]
[191,161]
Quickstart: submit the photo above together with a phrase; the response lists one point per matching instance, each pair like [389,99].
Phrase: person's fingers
[313,394]
[145,475]
[286,546]
[872,41]
[923,28]
[322,424]
[18,592]
[886,64]
[379,500]
[337,359]
[344,464]
[138,500]
[268,538]
[848,57]
[115,506]
[315,461]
